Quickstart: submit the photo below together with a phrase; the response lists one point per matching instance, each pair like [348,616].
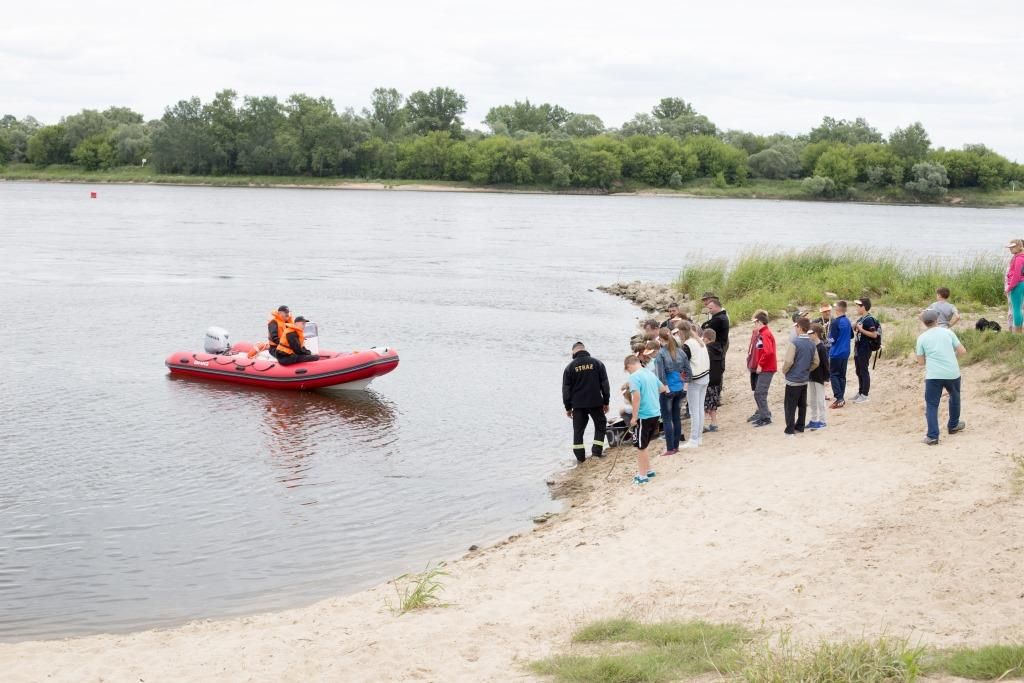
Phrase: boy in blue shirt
[644,389]
[840,332]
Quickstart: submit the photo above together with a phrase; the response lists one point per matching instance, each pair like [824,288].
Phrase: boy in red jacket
[764,364]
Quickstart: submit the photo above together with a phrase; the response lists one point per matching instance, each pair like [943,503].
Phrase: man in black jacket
[719,321]
[586,395]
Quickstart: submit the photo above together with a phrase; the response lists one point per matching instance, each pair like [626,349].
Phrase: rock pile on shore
[650,296]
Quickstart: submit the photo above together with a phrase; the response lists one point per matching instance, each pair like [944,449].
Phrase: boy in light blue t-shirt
[937,349]
[644,389]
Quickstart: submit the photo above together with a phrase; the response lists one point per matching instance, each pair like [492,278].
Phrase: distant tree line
[422,136]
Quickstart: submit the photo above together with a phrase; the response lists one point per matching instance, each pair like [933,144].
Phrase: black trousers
[293,358]
[862,364]
[580,418]
[796,408]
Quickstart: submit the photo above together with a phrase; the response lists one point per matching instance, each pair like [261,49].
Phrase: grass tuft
[653,653]
[787,280]
[626,651]
[994,662]
[419,591]
[883,660]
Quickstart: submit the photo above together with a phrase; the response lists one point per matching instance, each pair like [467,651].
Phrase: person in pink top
[1015,285]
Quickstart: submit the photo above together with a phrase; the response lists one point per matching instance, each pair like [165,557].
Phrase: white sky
[760,65]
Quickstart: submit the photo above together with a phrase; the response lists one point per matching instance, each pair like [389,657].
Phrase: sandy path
[855,530]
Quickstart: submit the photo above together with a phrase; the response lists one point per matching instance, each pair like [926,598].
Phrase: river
[130,499]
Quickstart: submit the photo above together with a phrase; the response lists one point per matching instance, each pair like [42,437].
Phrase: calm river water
[129,499]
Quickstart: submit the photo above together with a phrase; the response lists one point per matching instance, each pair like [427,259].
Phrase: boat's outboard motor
[216,340]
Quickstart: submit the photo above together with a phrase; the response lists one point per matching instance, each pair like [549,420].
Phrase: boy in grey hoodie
[801,359]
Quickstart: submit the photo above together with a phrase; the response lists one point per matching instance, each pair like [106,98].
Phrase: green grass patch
[780,281]
[628,651]
[648,653]
[883,660]
[418,591]
[994,662]
[1000,347]
[1018,472]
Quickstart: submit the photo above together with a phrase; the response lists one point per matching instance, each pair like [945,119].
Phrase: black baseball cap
[300,319]
[283,309]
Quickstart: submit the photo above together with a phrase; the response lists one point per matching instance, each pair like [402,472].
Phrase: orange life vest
[284,347]
[281,320]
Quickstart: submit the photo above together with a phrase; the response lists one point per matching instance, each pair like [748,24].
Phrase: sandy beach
[855,530]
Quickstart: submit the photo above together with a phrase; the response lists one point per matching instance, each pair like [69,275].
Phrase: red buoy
[92,195]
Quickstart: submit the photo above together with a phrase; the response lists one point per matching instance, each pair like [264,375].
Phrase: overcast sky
[765,66]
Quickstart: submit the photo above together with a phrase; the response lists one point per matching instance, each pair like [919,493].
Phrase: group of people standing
[670,361]
[678,363]
[819,353]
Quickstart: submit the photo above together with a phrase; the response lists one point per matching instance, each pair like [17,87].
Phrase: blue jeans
[932,393]
[671,420]
[837,374]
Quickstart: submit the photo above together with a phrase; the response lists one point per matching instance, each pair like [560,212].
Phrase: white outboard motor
[216,341]
[310,335]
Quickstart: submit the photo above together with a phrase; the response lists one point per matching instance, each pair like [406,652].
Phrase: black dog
[990,325]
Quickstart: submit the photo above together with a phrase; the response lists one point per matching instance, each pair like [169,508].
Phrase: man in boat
[275,327]
[292,348]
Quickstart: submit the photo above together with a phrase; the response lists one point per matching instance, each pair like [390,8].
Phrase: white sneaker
[689,444]
[861,399]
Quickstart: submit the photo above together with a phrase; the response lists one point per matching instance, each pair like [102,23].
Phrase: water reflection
[300,430]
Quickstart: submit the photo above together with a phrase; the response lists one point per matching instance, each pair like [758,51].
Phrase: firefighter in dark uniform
[586,395]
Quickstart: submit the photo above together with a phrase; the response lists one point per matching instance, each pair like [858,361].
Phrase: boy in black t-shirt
[866,330]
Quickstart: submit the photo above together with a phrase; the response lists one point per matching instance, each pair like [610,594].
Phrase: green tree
[717,157]
[387,111]
[929,180]
[225,127]
[911,143]
[751,143]
[15,135]
[94,152]
[130,142]
[584,126]
[655,161]
[838,165]
[48,145]
[263,142]
[777,162]
[817,186]
[122,115]
[425,157]
[524,116]
[641,124]
[439,109]
[671,108]
[184,141]
[878,165]
[85,124]
[843,131]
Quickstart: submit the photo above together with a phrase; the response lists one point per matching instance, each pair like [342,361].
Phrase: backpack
[987,325]
[675,381]
[875,343]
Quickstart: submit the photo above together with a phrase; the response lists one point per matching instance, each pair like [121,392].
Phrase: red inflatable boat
[343,370]
[244,363]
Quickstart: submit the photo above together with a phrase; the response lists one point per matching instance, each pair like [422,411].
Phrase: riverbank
[852,531]
[754,189]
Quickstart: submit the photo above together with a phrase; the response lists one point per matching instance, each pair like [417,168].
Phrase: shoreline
[828,539]
[427,186]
